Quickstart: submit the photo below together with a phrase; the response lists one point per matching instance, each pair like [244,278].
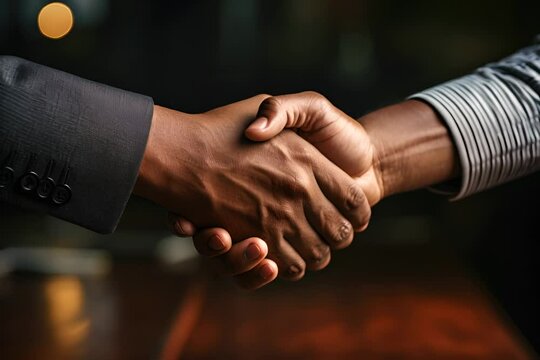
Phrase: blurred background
[196,55]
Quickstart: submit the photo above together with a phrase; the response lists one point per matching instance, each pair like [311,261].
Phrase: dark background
[196,55]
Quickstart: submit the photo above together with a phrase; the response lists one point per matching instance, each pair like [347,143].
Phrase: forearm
[412,147]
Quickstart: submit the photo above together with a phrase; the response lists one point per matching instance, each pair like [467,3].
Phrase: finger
[313,249]
[328,221]
[212,242]
[180,226]
[264,273]
[290,263]
[288,111]
[344,192]
[243,256]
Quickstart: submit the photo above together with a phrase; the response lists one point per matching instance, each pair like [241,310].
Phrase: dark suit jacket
[68,146]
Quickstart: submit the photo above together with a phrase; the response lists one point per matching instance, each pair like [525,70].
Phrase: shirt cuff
[494,138]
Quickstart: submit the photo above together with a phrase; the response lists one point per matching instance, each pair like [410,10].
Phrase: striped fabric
[493,116]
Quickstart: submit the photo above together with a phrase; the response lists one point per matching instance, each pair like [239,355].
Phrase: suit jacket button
[45,188]
[6,176]
[29,182]
[46,184]
[61,194]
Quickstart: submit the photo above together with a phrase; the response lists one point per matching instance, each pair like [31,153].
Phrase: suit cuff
[79,133]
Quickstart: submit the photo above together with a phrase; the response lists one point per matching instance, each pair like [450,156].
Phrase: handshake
[272,185]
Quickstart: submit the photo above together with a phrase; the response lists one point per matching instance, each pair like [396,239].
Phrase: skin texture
[395,149]
[282,190]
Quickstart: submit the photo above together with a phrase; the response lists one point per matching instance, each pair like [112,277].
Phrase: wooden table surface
[377,303]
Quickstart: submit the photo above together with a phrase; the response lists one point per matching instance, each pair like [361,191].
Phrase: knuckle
[286,211]
[355,197]
[318,257]
[318,101]
[343,234]
[300,185]
[263,96]
[302,152]
[286,185]
[270,105]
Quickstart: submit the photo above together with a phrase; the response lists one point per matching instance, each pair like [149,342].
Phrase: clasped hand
[284,199]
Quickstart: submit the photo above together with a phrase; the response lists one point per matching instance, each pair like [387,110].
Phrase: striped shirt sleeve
[493,116]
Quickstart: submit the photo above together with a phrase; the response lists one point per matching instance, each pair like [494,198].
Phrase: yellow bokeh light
[55,20]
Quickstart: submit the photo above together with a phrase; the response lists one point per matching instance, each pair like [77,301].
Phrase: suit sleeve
[69,147]
[493,116]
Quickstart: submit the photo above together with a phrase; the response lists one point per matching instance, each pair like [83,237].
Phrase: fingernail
[293,270]
[252,252]
[216,243]
[259,124]
[266,272]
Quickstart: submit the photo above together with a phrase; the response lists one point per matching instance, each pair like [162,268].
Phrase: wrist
[165,155]
[412,147]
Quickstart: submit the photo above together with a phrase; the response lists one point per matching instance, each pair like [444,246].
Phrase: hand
[340,138]
[245,260]
[337,136]
[283,190]
[406,146]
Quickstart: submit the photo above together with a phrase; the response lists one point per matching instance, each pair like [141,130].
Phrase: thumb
[271,119]
[306,111]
